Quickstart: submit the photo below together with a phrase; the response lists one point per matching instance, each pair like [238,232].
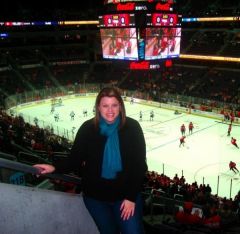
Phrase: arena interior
[49,67]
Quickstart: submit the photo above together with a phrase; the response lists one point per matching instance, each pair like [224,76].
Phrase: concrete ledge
[26,210]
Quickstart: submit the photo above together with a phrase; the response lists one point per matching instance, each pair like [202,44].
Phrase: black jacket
[87,155]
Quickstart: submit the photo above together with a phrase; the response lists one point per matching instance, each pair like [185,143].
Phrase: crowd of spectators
[199,208]
[15,131]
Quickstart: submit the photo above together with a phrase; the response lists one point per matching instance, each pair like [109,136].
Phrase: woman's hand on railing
[44,168]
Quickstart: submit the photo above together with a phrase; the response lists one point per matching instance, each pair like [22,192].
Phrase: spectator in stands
[176,179]
[182,180]
[112,151]
[232,118]
[237,205]
[185,216]
[211,219]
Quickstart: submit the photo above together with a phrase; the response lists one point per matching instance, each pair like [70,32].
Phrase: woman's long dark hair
[110,92]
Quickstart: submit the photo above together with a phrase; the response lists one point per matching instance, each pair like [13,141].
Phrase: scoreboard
[117,20]
[140,31]
[163,19]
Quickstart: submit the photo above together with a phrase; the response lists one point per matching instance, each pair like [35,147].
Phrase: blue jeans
[107,216]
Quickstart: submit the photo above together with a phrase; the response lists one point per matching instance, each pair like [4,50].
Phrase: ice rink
[204,158]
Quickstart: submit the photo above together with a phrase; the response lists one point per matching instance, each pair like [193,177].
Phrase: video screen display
[161,43]
[119,43]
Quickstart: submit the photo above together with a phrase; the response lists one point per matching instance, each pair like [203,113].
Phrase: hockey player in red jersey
[232,167]
[183,129]
[182,140]
[190,128]
[234,142]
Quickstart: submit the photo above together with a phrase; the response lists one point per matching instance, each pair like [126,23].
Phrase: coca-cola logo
[126,7]
[144,65]
[168,63]
[163,7]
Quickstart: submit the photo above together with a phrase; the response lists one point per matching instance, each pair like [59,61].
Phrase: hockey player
[140,116]
[151,115]
[190,128]
[225,116]
[229,129]
[36,121]
[183,129]
[234,142]
[232,167]
[73,131]
[131,100]
[182,140]
[72,114]
[52,109]
[56,117]
[85,113]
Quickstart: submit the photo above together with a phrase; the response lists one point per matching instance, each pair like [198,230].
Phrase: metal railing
[25,168]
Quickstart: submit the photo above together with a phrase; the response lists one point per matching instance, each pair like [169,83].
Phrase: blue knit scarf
[111,159]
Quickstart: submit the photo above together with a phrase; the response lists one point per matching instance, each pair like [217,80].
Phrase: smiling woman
[110,152]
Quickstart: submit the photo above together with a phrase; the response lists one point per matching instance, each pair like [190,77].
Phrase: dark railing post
[217,184]
[230,189]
